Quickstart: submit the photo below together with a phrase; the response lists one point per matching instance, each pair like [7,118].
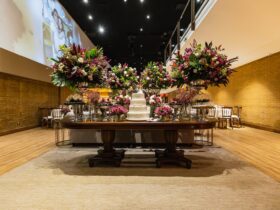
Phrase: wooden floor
[19,148]
[260,148]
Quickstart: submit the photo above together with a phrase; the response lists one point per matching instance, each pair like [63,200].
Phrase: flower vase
[186,112]
[104,109]
[115,118]
[152,111]
[198,85]
[94,112]
[164,118]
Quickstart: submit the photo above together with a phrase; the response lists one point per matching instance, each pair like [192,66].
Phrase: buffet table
[170,130]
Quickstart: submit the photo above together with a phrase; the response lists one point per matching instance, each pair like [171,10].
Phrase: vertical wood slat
[20,99]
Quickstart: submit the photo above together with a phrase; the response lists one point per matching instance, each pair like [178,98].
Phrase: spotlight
[141,29]
[148,17]
[125,0]
[142,1]
[85,1]
[101,29]
[90,17]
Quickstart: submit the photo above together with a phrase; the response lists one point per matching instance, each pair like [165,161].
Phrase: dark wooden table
[170,130]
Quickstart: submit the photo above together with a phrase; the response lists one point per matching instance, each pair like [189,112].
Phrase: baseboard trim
[18,130]
[261,127]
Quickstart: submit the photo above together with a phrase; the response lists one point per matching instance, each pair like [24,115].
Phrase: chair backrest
[211,112]
[237,110]
[56,114]
[226,111]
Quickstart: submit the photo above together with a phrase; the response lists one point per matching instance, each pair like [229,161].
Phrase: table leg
[108,154]
[171,154]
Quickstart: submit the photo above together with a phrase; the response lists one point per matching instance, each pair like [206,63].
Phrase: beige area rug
[61,179]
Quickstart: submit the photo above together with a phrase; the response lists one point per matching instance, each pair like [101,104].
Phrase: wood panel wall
[20,99]
[255,87]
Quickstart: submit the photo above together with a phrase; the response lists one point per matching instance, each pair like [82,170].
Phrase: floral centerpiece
[105,102]
[154,101]
[116,111]
[65,110]
[77,67]
[185,96]
[92,97]
[74,99]
[155,77]
[184,99]
[122,77]
[202,66]
[104,105]
[123,100]
[164,112]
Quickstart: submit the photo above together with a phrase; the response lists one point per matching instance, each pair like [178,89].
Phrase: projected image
[58,28]
[35,29]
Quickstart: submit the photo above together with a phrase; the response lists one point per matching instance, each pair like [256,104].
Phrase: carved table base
[108,154]
[171,154]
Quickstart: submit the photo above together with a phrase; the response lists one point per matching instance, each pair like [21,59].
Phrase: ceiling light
[101,29]
[85,1]
[198,1]
[181,29]
[142,1]
[148,16]
[125,0]
[90,17]
[141,29]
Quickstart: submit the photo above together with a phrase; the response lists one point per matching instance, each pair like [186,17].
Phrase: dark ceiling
[123,41]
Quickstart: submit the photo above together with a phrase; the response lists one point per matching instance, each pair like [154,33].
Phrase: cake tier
[137,116]
[138,95]
[138,108]
[136,102]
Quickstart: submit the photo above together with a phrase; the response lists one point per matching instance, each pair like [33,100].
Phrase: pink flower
[117,110]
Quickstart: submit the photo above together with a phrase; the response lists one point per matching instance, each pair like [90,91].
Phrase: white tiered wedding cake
[138,110]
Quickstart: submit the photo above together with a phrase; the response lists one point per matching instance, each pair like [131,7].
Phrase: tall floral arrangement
[123,100]
[202,65]
[155,100]
[155,76]
[122,77]
[79,67]
[185,96]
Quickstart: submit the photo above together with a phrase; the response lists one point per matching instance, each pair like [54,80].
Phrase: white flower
[148,78]
[60,66]
[84,72]
[164,79]
[80,60]
[125,72]
[195,71]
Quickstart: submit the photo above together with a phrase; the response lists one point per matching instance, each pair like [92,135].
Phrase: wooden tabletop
[142,125]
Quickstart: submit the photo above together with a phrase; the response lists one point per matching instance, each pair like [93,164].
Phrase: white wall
[249,29]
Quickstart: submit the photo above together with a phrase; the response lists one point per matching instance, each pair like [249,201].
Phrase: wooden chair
[226,116]
[205,137]
[236,117]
